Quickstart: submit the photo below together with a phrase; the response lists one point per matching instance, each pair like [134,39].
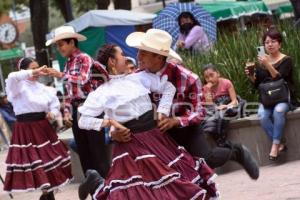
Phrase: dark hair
[24,63]
[209,66]
[273,33]
[188,15]
[105,52]
[68,40]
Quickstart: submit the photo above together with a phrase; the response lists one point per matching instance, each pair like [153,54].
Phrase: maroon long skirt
[36,158]
[152,166]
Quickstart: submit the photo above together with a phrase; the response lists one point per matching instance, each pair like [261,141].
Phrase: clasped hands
[47,71]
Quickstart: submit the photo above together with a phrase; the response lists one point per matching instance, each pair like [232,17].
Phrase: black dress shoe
[90,184]
[246,159]
[43,197]
[48,196]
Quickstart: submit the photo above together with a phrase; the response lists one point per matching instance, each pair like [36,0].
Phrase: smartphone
[261,51]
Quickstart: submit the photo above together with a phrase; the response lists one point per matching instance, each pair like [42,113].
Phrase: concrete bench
[245,130]
[249,132]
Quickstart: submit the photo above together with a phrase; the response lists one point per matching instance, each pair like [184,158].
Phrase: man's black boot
[90,184]
[243,156]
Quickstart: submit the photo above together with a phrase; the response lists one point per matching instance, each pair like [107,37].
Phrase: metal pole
[2,79]
[14,11]
[164,3]
[10,195]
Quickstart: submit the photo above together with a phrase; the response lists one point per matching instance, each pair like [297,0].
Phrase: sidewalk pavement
[276,182]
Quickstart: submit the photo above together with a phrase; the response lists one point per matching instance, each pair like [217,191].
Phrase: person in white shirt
[147,164]
[36,158]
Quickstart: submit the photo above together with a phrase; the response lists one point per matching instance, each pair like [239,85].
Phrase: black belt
[145,122]
[35,116]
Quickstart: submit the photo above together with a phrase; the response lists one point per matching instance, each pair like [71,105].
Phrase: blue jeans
[273,120]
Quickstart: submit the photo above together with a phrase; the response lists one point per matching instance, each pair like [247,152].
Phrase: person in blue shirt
[6,110]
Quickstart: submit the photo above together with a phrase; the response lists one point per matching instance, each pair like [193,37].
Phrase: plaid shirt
[187,101]
[78,79]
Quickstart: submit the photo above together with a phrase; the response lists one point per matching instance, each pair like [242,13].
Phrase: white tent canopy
[102,18]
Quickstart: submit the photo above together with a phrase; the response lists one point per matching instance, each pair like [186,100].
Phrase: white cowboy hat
[154,40]
[65,32]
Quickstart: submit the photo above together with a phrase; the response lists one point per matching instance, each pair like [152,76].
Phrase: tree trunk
[39,27]
[103,4]
[296,6]
[65,7]
[185,1]
[122,4]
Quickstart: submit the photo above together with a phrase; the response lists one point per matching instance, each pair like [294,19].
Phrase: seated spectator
[5,134]
[220,99]
[192,35]
[6,109]
[131,64]
[274,66]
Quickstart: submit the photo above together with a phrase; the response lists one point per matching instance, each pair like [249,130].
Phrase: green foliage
[232,50]
[84,6]
[5,5]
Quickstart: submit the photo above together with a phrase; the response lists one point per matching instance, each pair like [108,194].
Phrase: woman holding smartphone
[273,66]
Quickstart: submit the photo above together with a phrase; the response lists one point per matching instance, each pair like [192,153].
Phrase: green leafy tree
[84,6]
[5,5]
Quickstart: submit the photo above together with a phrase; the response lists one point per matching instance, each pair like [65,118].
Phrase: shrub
[232,50]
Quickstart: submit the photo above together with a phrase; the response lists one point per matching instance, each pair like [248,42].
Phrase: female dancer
[36,158]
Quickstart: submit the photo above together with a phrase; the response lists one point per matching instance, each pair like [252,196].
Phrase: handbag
[274,92]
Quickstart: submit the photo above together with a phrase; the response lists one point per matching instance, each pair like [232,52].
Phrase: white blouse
[30,96]
[125,97]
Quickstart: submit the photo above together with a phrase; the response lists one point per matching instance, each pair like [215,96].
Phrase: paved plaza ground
[276,182]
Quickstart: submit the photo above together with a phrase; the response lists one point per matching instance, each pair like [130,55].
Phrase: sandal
[274,154]
[282,148]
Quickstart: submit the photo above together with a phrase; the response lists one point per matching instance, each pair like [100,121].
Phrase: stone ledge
[249,132]
[253,119]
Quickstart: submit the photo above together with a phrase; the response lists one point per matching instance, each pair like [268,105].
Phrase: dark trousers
[195,142]
[92,150]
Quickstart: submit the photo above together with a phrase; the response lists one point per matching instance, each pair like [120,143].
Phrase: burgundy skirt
[153,166]
[36,158]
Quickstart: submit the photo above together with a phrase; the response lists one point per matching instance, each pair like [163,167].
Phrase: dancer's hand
[41,71]
[121,133]
[50,116]
[54,73]
[168,123]
[161,116]
[180,44]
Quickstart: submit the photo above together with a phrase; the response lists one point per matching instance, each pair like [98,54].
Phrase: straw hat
[154,40]
[65,32]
